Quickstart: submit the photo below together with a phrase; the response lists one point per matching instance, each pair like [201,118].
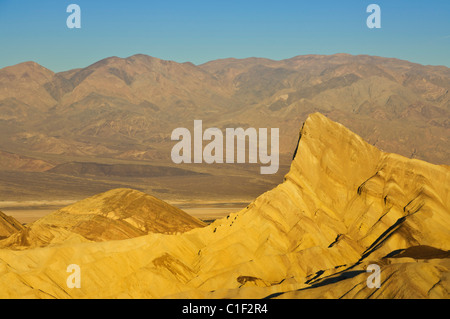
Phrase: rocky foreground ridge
[343,205]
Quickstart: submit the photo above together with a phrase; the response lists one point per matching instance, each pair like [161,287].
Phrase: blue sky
[199,31]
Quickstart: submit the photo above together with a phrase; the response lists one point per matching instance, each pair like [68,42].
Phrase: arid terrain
[77,133]
[86,178]
[343,206]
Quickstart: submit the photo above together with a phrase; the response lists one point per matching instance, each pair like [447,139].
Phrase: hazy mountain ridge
[123,110]
[396,105]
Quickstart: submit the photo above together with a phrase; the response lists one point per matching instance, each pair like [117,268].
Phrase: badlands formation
[8,226]
[343,205]
[117,214]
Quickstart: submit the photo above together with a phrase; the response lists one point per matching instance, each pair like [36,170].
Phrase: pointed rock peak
[327,147]
[328,136]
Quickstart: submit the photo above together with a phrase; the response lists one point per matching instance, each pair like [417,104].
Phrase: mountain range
[123,110]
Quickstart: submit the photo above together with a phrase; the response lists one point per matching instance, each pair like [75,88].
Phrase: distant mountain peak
[31,68]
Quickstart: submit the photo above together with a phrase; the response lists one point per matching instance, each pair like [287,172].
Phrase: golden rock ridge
[114,215]
[8,225]
[343,205]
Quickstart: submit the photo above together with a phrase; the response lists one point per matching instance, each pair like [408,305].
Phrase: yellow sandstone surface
[343,205]
[8,225]
[113,215]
